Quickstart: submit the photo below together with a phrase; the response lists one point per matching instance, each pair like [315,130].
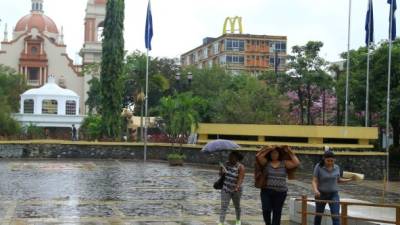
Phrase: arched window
[49,107]
[70,108]
[28,106]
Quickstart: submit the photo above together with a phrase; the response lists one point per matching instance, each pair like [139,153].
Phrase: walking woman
[325,181]
[232,188]
[274,188]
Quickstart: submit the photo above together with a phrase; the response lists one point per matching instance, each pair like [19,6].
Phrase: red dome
[39,21]
[100,2]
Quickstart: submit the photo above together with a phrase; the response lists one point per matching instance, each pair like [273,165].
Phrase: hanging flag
[369,24]
[393,21]
[149,27]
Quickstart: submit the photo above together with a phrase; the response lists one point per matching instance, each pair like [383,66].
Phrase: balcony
[33,82]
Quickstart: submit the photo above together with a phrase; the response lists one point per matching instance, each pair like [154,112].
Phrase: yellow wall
[314,134]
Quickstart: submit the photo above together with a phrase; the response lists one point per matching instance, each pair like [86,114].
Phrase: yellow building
[239,52]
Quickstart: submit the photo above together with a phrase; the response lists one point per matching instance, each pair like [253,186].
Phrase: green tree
[161,72]
[91,127]
[112,68]
[12,85]
[378,87]
[180,115]
[209,84]
[94,96]
[248,101]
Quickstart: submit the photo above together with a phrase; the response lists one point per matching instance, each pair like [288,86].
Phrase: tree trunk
[309,105]
[338,117]
[301,101]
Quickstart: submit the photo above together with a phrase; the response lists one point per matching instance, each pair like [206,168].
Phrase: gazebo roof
[50,89]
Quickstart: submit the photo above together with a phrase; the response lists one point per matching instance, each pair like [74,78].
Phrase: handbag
[219,183]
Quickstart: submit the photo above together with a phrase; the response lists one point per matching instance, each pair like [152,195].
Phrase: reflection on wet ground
[126,192]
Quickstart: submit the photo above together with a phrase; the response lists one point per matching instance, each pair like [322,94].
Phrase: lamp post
[178,79]
[190,78]
[180,85]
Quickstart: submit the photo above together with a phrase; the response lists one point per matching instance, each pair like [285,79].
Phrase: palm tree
[179,116]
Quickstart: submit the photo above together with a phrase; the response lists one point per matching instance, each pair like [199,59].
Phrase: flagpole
[367,90]
[388,91]
[146,105]
[368,61]
[346,115]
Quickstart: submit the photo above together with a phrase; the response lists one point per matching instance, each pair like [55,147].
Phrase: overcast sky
[180,25]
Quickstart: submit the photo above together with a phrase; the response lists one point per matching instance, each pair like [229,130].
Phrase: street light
[190,77]
[178,80]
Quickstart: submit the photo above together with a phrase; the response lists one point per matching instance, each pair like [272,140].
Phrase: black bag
[219,183]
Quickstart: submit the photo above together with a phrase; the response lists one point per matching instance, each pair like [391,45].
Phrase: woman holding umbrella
[233,172]
[277,164]
[232,187]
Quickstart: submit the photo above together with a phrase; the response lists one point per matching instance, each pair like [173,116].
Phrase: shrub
[176,156]
[34,132]
[91,127]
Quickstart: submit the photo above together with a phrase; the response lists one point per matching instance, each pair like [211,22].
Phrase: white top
[50,89]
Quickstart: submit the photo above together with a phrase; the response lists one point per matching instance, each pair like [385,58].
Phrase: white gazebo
[50,106]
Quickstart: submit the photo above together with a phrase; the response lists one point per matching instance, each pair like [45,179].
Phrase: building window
[234,45]
[278,46]
[216,48]
[235,59]
[281,61]
[28,106]
[222,59]
[70,108]
[49,107]
[34,50]
[33,76]
[100,29]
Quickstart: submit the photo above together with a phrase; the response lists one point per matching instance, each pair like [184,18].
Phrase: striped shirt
[231,177]
[276,177]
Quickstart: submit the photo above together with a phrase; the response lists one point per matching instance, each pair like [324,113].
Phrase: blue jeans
[334,207]
[272,202]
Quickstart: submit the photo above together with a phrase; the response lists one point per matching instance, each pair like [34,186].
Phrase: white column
[40,75]
[38,105]
[21,108]
[26,47]
[61,106]
[45,75]
[77,106]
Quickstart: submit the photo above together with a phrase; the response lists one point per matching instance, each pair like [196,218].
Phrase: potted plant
[176,159]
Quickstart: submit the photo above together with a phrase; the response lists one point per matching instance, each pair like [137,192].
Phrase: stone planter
[175,162]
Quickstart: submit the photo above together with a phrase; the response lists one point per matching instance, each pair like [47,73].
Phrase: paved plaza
[125,192]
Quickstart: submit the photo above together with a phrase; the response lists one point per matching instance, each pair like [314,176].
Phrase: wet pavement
[126,192]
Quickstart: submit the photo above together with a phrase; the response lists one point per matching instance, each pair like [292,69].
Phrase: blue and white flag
[369,24]
[393,21]
[149,27]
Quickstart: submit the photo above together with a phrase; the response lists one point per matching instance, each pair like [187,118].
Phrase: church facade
[37,50]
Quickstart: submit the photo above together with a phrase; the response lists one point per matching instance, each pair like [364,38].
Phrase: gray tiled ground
[125,192]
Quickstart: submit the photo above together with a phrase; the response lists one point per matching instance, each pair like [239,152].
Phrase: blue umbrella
[219,145]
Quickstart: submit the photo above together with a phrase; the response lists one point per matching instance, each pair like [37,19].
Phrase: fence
[344,217]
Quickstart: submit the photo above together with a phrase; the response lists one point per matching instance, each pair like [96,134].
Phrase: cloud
[180,25]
